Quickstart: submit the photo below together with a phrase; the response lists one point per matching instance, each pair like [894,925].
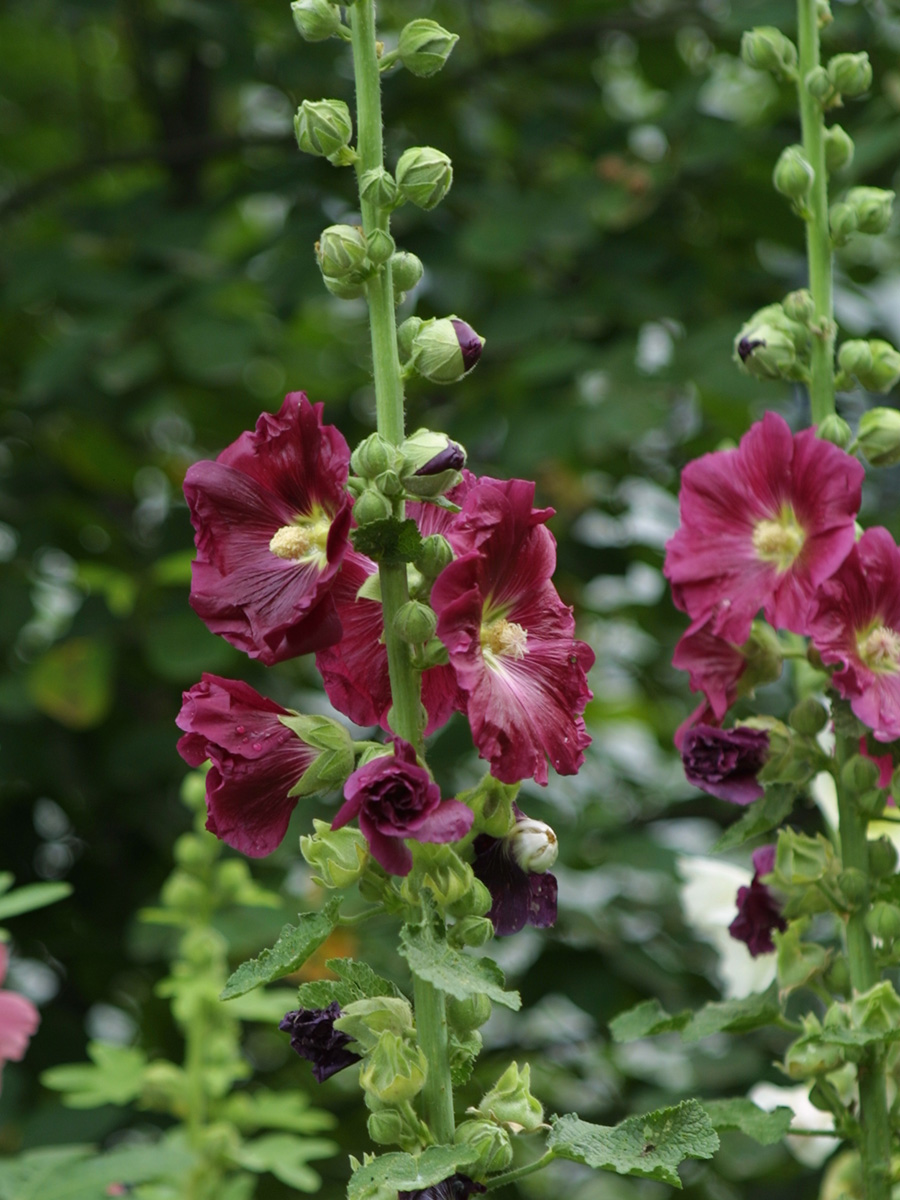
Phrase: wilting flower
[395,798]
[759,912]
[19,1019]
[457,1187]
[510,638]
[857,624]
[725,762]
[521,894]
[763,526]
[315,1038]
[256,761]
[271,518]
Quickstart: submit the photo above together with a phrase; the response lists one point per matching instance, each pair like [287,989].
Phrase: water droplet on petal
[241,728]
[257,745]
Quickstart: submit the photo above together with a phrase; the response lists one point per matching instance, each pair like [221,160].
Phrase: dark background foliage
[611,225]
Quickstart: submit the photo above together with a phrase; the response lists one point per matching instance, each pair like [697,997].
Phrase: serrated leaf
[452,972]
[645,1020]
[286,1157]
[357,982]
[742,1114]
[388,541]
[733,1016]
[33,895]
[80,1173]
[294,946]
[761,816]
[116,1077]
[651,1146]
[406,1173]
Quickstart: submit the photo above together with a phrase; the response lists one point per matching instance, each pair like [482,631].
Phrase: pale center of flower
[502,637]
[779,541]
[879,649]
[304,540]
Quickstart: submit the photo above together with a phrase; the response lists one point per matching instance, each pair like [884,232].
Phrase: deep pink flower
[510,638]
[725,762]
[857,624]
[19,1019]
[271,518]
[759,912]
[713,664]
[256,760]
[762,527]
[395,798]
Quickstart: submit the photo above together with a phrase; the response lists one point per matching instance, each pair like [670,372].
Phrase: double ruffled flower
[759,912]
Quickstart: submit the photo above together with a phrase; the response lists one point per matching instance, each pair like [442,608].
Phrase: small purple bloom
[395,798]
[725,762]
[470,344]
[520,897]
[457,1187]
[759,913]
[315,1038]
[452,458]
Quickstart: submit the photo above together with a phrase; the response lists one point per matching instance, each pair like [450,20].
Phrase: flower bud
[799,306]
[366,1021]
[838,148]
[835,429]
[407,270]
[370,505]
[406,333]
[424,176]
[316,20]
[767,49]
[472,931]
[806,1059]
[491,1143]
[434,554]
[193,851]
[766,352]
[808,717]
[389,483]
[425,46]
[445,350]
[324,128]
[415,622]
[883,921]
[533,845]
[876,364]
[476,901]
[793,175]
[394,1071]
[471,1013]
[380,246]
[853,885]
[882,857]
[877,1010]
[820,86]
[872,803]
[372,456]
[339,856]
[844,222]
[386,1127]
[824,15]
[850,74]
[872,206]
[341,252]
[763,654]
[859,773]
[344,289]
[510,1102]
[378,187]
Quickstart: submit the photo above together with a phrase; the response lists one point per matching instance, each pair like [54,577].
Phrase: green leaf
[404,1173]
[761,816]
[645,1020]
[33,895]
[268,1006]
[73,682]
[80,1173]
[452,972]
[265,1109]
[651,1146]
[357,982]
[742,1114]
[733,1016]
[116,1077]
[286,1157]
[294,946]
[389,540]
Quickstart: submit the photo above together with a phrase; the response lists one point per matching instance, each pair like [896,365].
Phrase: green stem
[521,1172]
[818,233]
[433,1031]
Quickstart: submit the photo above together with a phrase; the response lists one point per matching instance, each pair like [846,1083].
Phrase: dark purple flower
[470,344]
[453,458]
[315,1038]
[725,762]
[758,910]
[395,798]
[520,897]
[457,1187]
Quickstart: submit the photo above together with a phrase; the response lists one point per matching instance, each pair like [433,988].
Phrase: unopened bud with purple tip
[431,463]
[445,350]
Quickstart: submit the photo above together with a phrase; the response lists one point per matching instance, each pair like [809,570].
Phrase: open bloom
[714,665]
[19,1019]
[725,762]
[395,798]
[271,517]
[763,526]
[759,912]
[256,760]
[314,1037]
[510,638]
[521,895]
[857,624]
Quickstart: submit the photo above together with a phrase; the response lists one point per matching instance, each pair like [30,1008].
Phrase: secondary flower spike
[271,517]
[314,1037]
[762,526]
[759,913]
[510,638]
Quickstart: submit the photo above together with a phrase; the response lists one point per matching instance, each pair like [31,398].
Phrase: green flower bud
[838,148]
[793,175]
[492,1144]
[510,1102]
[316,20]
[850,74]
[882,857]
[424,176]
[389,483]
[370,506]
[394,1071]
[471,1013]
[799,306]
[767,49]
[415,622]
[232,877]
[434,554]
[378,187]
[380,246]
[859,773]
[193,851]
[877,1010]
[872,803]
[472,931]
[808,717]
[334,763]
[431,462]
[853,885]
[445,350]
[810,1055]
[800,859]
[885,367]
[425,46]
[883,921]
[407,270]
[766,345]
[837,978]
[533,845]
[372,456]
[855,357]
[324,128]
[820,86]
[341,252]
[835,429]
[824,15]
[339,856]
[367,1021]
[344,289]
[844,222]
[873,207]
[764,658]
[476,902]
[386,1127]
[183,891]
[406,333]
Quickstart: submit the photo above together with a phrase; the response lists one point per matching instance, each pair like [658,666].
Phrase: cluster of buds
[425,466]
[863,210]
[845,76]
[767,49]
[773,345]
[874,363]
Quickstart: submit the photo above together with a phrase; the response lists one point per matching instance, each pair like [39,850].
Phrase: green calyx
[425,46]
[324,128]
[339,856]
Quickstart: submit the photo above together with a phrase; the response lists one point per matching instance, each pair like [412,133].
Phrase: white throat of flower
[305,540]
[503,639]
[779,540]
[879,648]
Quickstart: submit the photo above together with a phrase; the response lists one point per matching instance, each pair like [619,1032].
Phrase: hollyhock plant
[314,1037]
[856,624]
[725,762]
[271,517]
[19,1019]
[395,798]
[515,870]
[762,527]
[510,638]
[759,912]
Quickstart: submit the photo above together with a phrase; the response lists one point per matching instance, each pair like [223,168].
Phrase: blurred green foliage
[611,226]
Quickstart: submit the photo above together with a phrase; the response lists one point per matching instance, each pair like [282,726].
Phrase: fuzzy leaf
[761,816]
[651,1146]
[456,974]
[645,1020]
[116,1077]
[733,1016]
[742,1114]
[357,982]
[404,1173]
[294,946]
[388,540]
[286,1157]
[80,1173]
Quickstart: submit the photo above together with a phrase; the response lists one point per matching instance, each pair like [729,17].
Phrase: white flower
[811,1151]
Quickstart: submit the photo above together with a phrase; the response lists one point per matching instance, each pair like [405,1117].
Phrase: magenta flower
[725,762]
[510,638]
[714,665]
[256,760]
[314,1037]
[19,1019]
[857,624]
[395,798]
[271,518]
[763,526]
[759,912]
